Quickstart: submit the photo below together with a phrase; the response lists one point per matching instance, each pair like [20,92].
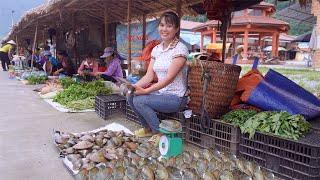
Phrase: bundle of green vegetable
[36,79]
[81,104]
[278,123]
[238,117]
[82,93]
[66,82]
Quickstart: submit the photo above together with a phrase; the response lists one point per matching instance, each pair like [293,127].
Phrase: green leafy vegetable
[238,117]
[66,82]
[278,123]
[78,96]
[36,80]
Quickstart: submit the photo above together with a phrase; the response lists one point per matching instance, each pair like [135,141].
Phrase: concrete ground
[26,126]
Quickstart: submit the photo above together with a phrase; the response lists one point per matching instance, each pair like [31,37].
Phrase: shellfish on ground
[83,145]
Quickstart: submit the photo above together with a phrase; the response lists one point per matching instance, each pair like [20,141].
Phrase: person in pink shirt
[88,67]
[114,69]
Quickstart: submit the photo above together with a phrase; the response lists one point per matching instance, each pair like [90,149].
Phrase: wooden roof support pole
[17,51]
[245,44]
[43,38]
[201,42]
[129,35]
[75,51]
[277,47]
[178,10]
[274,44]
[260,40]
[234,43]
[224,40]
[316,12]
[106,26]
[214,35]
[34,46]
[144,27]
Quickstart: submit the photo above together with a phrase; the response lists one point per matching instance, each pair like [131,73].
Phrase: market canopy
[63,13]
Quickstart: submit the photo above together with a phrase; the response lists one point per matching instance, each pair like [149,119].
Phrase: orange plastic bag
[246,84]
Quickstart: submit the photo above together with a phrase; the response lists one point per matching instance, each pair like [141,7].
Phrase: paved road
[26,124]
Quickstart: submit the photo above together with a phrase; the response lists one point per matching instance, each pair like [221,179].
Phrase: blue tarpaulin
[278,93]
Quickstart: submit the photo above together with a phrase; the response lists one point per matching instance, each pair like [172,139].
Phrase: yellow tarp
[217,46]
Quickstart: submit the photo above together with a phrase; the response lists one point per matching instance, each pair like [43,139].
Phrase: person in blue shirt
[51,64]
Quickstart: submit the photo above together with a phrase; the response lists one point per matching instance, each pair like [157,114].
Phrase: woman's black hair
[90,55]
[63,53]
[171,17]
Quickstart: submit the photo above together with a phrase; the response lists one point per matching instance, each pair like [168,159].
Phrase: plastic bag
[278,93]
[246,84]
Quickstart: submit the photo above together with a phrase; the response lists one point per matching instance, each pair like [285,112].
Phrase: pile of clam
[118,155]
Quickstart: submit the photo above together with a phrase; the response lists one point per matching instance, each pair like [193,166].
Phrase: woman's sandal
[155,139]
[143,132]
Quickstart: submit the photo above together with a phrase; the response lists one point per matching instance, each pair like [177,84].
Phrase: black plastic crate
[131,115]
[315,124]
[218,134]
[288,158]
[107,105]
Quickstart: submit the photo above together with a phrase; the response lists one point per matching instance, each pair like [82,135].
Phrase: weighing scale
[170,144]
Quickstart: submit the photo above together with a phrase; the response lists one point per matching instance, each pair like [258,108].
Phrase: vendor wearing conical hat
[5,51]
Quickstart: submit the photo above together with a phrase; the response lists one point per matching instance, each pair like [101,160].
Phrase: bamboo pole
[75,51]
[178,10]
[34,46]
[144,26]
[106,26]
[129,35]
[17,45]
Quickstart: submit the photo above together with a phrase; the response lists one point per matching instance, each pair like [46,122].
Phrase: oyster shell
[82,175]
[162,173]
[118,172]
[98,157]
[132,172]
[60,138]
[147,173]
[87,137]
[190,174]
[83,145]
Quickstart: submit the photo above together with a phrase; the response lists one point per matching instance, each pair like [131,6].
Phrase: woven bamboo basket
[220,89]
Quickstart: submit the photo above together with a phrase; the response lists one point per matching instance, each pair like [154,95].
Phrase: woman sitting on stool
[168,64]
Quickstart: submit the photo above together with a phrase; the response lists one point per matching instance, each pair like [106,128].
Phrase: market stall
[271,139]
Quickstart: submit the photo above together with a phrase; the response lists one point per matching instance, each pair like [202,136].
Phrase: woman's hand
[98,73]
[140,91]
[56,73]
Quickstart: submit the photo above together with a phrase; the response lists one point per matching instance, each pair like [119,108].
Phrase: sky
[19,7]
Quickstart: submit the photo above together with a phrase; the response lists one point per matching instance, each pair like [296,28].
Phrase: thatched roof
[62,13]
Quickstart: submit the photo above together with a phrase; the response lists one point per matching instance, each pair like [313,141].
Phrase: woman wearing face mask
[168,64]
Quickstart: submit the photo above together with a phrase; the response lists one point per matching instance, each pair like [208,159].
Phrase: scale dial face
[163,145]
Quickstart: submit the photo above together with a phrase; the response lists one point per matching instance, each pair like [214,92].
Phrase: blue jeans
[145,106]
